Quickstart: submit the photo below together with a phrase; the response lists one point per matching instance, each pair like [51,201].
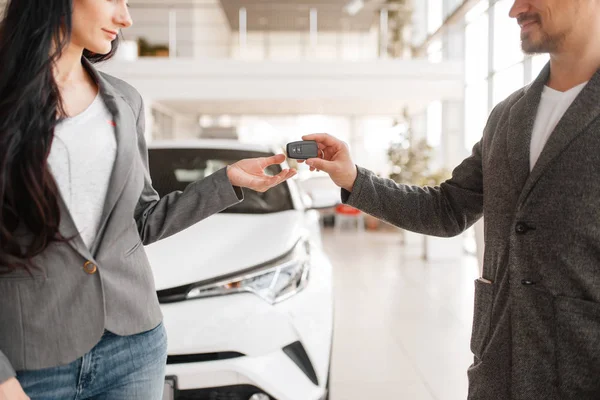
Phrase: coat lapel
[125,133]
[520,127]
[124,123]
[584,110]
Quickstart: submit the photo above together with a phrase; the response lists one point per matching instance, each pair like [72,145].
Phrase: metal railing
[205,31]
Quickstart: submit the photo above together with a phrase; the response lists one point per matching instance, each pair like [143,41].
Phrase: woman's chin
[100,49]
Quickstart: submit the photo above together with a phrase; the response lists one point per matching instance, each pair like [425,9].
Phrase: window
[538,62]
[435,15]
[451,6]
[174,169]
[476,112]
[434,52]
[434,124]
[476,12]
[507,37]
[508,81]
[477,47]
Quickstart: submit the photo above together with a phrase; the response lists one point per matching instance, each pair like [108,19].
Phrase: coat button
[527,282]
[521,228]
[90,267]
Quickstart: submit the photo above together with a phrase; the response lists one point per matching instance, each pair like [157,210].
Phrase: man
[535,177]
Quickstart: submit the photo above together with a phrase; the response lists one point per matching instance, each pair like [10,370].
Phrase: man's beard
[546,44]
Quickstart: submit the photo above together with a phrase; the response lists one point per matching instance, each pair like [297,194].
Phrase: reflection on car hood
[223,244]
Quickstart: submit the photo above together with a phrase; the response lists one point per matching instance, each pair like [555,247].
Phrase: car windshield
[174,169]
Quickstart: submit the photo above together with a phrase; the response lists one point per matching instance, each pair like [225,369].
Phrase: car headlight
[276,281]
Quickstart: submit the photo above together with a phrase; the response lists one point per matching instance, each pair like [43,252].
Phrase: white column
[313,31]
[383,33]
[172,33]
[243,30]
[356,140]
[452,148]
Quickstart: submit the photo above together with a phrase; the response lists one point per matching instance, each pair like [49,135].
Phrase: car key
[303,150]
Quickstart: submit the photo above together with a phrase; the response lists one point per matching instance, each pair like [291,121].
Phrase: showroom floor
[402,325]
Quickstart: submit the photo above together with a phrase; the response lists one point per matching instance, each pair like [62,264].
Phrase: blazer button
[521,228]
[90,267]
[527,282]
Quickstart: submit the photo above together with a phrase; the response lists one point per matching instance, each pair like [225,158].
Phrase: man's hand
[12,390]
[250,173]
[336,160]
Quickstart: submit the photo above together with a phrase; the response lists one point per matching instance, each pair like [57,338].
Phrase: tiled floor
[402,325]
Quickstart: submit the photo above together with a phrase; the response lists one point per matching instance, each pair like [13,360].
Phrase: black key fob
[303,150]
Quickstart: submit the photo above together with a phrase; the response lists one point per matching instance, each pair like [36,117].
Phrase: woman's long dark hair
[33,34]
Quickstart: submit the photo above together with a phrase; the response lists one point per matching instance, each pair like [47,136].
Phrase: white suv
[246,294]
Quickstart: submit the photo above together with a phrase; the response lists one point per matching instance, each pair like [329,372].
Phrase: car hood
[223,244]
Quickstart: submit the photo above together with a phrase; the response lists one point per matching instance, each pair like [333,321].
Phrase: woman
[79,317]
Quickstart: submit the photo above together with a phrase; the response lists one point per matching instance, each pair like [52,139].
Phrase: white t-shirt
[81,160]
[553,106]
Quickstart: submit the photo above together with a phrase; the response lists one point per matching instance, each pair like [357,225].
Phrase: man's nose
[519,7]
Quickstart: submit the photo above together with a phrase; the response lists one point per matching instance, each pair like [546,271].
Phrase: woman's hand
[250,173]
[12,390]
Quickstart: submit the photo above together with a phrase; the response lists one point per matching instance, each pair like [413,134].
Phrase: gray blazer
[536,328]
[60,313]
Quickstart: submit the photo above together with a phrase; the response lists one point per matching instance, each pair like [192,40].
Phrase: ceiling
[293,15]
[282,15]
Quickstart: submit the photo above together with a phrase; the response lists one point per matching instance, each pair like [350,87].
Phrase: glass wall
[495,66]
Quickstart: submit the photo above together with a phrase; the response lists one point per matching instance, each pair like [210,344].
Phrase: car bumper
[242,340]
[274,374]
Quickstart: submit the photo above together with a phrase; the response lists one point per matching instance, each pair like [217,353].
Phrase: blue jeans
[117,368]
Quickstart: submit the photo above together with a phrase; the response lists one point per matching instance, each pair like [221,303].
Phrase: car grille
[238,392]
[203,357]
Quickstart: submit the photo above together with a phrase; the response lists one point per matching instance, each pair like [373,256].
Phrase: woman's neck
[68,69]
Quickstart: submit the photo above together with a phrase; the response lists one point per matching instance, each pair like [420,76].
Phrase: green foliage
[411,161]
[148,50]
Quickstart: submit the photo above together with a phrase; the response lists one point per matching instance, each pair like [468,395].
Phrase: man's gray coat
[536,327]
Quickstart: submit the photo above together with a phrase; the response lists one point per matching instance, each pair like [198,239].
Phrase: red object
[346,210]
[112,123]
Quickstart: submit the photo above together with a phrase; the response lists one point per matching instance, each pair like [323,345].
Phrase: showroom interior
[376,312]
